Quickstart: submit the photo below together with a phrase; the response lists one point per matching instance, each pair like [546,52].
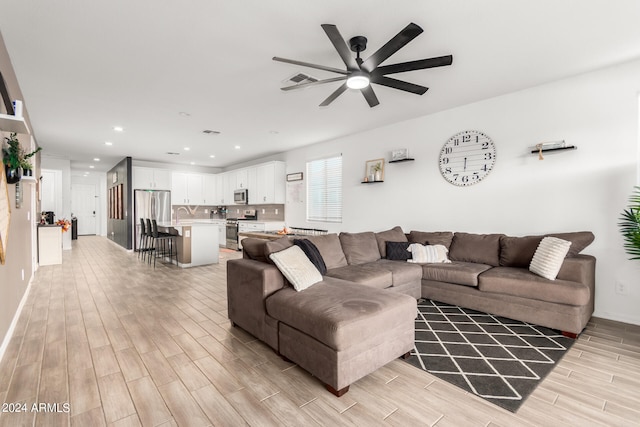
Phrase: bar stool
[142,240]
[161,241]
[150,244]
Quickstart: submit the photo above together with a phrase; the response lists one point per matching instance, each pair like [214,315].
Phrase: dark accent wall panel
[120,204]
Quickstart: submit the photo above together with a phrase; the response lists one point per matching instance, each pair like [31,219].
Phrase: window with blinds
[324,190]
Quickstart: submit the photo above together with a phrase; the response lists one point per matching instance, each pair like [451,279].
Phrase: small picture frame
[294,176]
[399,154]
[374,170]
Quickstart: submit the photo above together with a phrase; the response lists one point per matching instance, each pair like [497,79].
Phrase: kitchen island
[196,241]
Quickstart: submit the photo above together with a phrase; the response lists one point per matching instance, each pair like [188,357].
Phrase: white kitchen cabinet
[151,178]
[241,179]
[186,188]
[270,183]
[209,190]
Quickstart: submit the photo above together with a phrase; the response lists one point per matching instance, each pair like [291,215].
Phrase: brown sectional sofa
[361,315]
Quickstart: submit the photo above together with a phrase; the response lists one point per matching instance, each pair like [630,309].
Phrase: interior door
[83,206]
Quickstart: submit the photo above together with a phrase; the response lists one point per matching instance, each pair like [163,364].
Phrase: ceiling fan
[361,73]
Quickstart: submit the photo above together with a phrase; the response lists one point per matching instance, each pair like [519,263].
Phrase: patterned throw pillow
[549,257]
[296,267]
[428,253]
[398,251]
[312,252]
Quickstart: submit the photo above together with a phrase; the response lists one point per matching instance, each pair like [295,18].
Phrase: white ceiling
[86,66]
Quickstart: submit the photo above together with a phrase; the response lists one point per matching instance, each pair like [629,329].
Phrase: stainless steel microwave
[241,197]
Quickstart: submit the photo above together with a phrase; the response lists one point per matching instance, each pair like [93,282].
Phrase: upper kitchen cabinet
[269,183]
[187,188]
[209,190]
[151,178]
[242,179]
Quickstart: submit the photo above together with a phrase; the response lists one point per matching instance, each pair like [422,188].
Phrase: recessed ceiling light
[118,128]
[192,163]
[95,159]
[187,148]
[108,143]
[184,114]
[212,156]
[274,132]
[237,147]
[91,167]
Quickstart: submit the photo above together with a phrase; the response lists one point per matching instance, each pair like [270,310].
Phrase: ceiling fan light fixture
[358,80]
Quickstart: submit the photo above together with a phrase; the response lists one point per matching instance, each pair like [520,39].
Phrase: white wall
[585,189]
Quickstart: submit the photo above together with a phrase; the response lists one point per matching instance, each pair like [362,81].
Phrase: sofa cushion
[359,248]
[579,240]
[365,274]
[518,251]
[273,246]
[428,253]
[394,235]
[460,273]
[549,256]
[341,315]
[402,273]
[522,283]
[296,267]
[330,249]
[443,238]
[254,249]
[397,251]
[480,248]
[312,252]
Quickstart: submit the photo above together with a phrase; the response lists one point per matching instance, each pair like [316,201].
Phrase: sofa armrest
[249,284]
[581,269]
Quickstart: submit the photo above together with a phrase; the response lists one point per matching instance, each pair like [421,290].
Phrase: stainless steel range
[232,227]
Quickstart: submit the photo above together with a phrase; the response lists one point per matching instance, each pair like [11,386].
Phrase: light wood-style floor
[124,344]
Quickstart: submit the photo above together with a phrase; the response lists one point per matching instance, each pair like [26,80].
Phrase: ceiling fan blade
[370,96]
[319,82]
[307,64]
[334,95]
[341,46]
[421,64]
[409,33]
[399,84]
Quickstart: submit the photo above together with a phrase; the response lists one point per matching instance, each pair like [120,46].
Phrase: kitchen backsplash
[265,212]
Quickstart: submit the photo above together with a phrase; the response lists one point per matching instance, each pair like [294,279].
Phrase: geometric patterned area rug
[499,359]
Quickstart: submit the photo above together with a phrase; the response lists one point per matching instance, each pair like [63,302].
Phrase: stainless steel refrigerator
[152,204]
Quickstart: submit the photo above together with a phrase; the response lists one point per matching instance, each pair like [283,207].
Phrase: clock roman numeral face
[467,157]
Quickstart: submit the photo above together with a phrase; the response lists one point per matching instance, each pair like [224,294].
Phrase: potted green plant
[630,225]
[15,159]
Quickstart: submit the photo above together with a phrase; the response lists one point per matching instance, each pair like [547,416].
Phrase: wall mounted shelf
[550,150]
[401,160]
[370,182]
[13,124]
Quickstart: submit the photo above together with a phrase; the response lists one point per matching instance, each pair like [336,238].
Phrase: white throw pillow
[296,267]
[428,253]
[549,257]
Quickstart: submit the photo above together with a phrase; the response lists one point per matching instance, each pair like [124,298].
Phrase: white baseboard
[633,320]
[14,322]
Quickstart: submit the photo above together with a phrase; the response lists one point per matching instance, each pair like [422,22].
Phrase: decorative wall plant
[630,225]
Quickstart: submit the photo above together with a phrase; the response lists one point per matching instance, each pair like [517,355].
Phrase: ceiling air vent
[211,132]
[172,153]
[300,78]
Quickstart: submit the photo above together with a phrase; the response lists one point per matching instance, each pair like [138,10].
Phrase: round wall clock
[467,157]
